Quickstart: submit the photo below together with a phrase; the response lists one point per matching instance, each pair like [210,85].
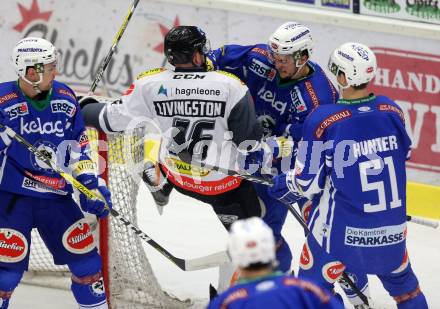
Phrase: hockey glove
[284,188]
[97,206]
[5,139]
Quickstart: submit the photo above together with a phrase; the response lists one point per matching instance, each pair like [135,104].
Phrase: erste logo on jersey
[16,110]
[262,69]
[297,100]
[78,237]
[332,271]
[63,106]
[13,246]
[36,126]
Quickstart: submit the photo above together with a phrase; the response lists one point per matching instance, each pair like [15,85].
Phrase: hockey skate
[151,176]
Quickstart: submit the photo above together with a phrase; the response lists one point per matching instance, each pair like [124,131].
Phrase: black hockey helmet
[182,41]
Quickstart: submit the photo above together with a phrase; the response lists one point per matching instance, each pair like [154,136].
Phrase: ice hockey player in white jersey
[45,112]
[212,110]
[352,163]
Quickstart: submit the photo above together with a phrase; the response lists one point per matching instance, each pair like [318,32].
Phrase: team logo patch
[306,259]
[265,286]
[49,151]
[78,237]
[13,246]
[332,271]
[16,110]
[63,106]
[330,120]
[97,287]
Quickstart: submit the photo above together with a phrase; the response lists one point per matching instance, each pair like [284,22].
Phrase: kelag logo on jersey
[19,109]
[36,126]
[269,97]
[63,106]
[262,69]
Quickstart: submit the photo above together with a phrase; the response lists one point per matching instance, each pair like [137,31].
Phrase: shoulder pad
[230,75]
[150,72]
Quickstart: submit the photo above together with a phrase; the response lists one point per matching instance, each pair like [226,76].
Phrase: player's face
[49,73]
[285,65]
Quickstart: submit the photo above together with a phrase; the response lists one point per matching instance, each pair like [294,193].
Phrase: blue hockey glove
[283,188]
[97,206]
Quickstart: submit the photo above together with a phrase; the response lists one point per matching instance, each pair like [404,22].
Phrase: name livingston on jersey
[190,108]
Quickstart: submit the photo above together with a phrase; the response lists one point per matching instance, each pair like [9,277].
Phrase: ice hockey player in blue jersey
[286,86]
[356,177]
[46,113]
[251,246]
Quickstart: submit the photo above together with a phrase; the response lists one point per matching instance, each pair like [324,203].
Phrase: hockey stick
[292,210]
[208,261]
[269,182]
[116,40]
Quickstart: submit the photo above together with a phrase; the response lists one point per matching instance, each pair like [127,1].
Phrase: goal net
[130,282]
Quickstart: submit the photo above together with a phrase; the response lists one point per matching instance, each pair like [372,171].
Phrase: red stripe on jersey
[330,120]
[312,94]
[202,187]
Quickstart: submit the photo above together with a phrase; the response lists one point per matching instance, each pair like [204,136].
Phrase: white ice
[190,229]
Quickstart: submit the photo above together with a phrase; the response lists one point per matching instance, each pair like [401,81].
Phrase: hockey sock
[87,283]
[412,300]
[361,282]
[284,255]
[9,280]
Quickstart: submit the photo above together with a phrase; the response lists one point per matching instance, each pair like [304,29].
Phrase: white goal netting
[131,281]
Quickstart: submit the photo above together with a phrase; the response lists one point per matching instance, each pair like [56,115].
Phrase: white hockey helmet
[291,38]
[356,60]
[251,241]
[32,52]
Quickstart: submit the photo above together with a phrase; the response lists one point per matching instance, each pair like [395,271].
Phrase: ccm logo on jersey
[19,109]
[78,237]
[262,69]
[13,246]
[63,106]
[377,237]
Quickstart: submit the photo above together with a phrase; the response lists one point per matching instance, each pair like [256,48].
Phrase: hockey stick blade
[209,261]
